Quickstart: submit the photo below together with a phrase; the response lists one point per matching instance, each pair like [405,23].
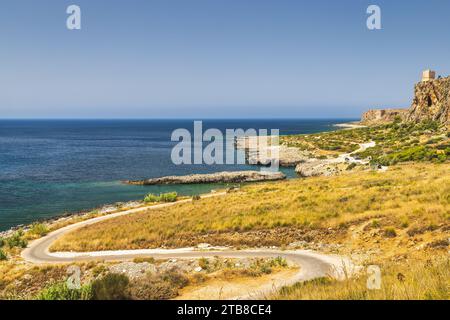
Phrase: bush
[279,261]
[152,290]
[17,240]
[151,198]
[3,255]
[176,279]
[203,263]
[111,287]
[165,197]
[375,223]
[169,197]
[390,232]
[158,287]
[196,197]
[60,291]
[2,242]
[39,229]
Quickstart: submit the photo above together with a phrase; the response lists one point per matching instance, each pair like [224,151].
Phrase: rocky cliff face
[431,101]
[383,116]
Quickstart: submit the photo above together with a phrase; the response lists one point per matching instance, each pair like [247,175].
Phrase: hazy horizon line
[182,118]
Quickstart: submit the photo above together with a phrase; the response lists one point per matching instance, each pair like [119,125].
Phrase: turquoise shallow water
[51,167]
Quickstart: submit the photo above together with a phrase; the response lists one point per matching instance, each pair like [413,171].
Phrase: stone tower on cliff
[428,75]
[431,102]
[431,99]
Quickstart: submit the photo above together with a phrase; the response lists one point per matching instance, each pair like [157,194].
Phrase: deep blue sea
[51,167]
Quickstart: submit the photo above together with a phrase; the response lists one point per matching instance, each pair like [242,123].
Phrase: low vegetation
[99,282]
[426,279]
[60,291]
[110,287]
[3,255]
[320,209]
[164,197]
[38,230]
[17,240]
[395,142]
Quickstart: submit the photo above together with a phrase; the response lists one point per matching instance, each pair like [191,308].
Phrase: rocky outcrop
[316,168]
[431,101]
[260,151]
[383,115]
[334,166]
[220,177]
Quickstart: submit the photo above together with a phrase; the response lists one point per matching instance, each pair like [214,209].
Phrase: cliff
[431,101]
[383,115]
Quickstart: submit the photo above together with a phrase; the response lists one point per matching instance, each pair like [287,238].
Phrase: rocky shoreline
[255,154]
[259,151]
[219,177]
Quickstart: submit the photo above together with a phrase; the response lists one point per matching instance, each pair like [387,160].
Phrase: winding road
[311,264]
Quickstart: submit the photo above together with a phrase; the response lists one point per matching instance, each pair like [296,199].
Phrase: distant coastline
[349,125]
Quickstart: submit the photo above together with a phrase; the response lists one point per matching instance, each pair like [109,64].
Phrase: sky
[216,58]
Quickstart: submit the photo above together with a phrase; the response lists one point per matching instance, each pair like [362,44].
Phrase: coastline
[112,207]
[350,125]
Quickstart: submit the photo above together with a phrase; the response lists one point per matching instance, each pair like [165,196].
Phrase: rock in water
[220,177]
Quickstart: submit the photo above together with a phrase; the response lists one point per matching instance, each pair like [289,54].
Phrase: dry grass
[406,280]
[405,197]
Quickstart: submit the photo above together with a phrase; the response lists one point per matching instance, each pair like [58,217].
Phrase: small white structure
[428,75]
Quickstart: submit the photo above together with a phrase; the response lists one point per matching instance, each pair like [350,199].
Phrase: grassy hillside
[417,279]
[407,205]
[398,220]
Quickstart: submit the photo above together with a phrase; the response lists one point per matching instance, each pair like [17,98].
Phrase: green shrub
[164,197]
[196,197]
[39,229]
[169,197]
[111,287]
[17,240]
[390,232]
[151,198]
[351,166]
[3,255]
[60,291]
[278,261]
[2,242]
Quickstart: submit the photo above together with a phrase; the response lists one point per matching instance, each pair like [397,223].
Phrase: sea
[50,168]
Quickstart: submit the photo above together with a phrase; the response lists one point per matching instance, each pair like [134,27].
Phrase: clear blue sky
[216,58]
